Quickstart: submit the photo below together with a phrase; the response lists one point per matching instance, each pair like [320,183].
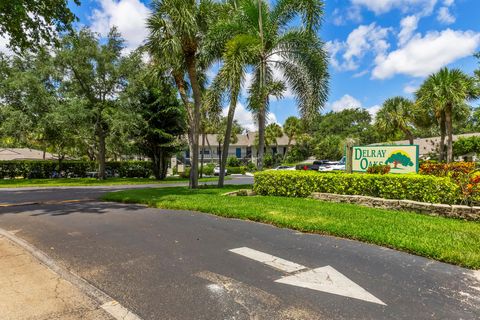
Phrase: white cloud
[408,26]
[373,111]
[364,39]
[246,119]
[422,56]
[349,102]
[127,15]
[410,89]
[384,6]
[351,14]
[346,102]
[444,16]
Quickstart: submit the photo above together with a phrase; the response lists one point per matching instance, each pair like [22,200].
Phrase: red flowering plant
[470,187]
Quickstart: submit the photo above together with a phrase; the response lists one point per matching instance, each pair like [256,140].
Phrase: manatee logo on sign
[401,158]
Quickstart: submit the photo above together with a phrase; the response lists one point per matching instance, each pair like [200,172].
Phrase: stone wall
[434,209]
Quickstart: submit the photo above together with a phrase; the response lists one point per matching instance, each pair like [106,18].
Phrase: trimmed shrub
[304,183]
[233,162]
[236,170]
[49,169]
[208,169]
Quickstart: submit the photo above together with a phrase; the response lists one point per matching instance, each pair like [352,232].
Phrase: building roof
[246,140]
[8,154]
[431,145]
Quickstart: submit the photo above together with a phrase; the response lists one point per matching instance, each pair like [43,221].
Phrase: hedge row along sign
[401,158]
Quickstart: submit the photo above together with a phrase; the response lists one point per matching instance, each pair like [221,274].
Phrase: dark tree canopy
[399,158]
[26,23]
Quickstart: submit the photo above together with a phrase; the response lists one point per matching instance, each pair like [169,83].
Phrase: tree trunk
[195,125]
[261,136]
[101,154]
[228,134]
[449,127]
[409,135]
[203,155]
[441,156]
[209,148]
[287,148]
[264,97]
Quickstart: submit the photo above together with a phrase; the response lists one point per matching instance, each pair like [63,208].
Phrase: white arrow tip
[327,279]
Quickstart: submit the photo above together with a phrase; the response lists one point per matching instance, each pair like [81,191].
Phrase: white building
[245,148]
[9,154]
[428,146]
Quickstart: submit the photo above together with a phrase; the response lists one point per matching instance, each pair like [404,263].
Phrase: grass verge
[65,182]
[448,240]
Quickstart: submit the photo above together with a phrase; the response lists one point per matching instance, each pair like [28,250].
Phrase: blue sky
[378,48]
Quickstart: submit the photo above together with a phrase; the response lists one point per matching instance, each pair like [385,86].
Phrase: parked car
[284,168]
[334,166]
[216,171]
[315,166]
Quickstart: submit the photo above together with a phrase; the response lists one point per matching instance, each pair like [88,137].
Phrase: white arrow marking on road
[269,260]
[325,279]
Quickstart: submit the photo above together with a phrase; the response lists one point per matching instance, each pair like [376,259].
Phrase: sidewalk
[29,290]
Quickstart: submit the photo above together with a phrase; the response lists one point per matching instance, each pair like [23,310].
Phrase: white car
[284,168]
[333,166]
[216,171]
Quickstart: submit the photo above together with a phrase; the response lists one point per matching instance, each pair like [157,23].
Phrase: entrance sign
[401,158]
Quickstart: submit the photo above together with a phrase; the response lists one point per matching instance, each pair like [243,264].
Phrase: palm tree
[445,92]
[177,32]
[272,132]
[396,114]
[263,39]
[292,128]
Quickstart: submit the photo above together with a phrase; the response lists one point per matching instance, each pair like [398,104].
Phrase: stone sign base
[433,209]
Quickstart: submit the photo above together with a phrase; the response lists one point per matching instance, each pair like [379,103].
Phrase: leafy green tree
[292,128]
[354,123]
[162,124]
[96,71]
[397,114]
[464,146]
[296,53]
[28,23]
[442,94]
[399,158]
[176,41]
[330,148]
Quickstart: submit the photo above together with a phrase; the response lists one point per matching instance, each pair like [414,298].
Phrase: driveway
[166,264]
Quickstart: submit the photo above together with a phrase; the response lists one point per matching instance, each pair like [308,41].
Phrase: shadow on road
[62,209]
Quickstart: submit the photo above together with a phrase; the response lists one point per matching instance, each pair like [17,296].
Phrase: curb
[107,303]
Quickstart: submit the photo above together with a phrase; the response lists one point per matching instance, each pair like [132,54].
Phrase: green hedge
[236,170]
[49,169]
[304,183]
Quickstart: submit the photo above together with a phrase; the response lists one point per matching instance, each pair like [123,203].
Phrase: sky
[378,48]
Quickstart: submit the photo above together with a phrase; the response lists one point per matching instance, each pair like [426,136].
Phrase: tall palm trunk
[263,101]
[449,127]
[228,133]
[203,155]
[195,125]
[441,156]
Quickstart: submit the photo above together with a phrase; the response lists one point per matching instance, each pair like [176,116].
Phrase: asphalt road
[165,264]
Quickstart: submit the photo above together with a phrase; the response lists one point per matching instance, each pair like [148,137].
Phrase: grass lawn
[443,239]
[18,183]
